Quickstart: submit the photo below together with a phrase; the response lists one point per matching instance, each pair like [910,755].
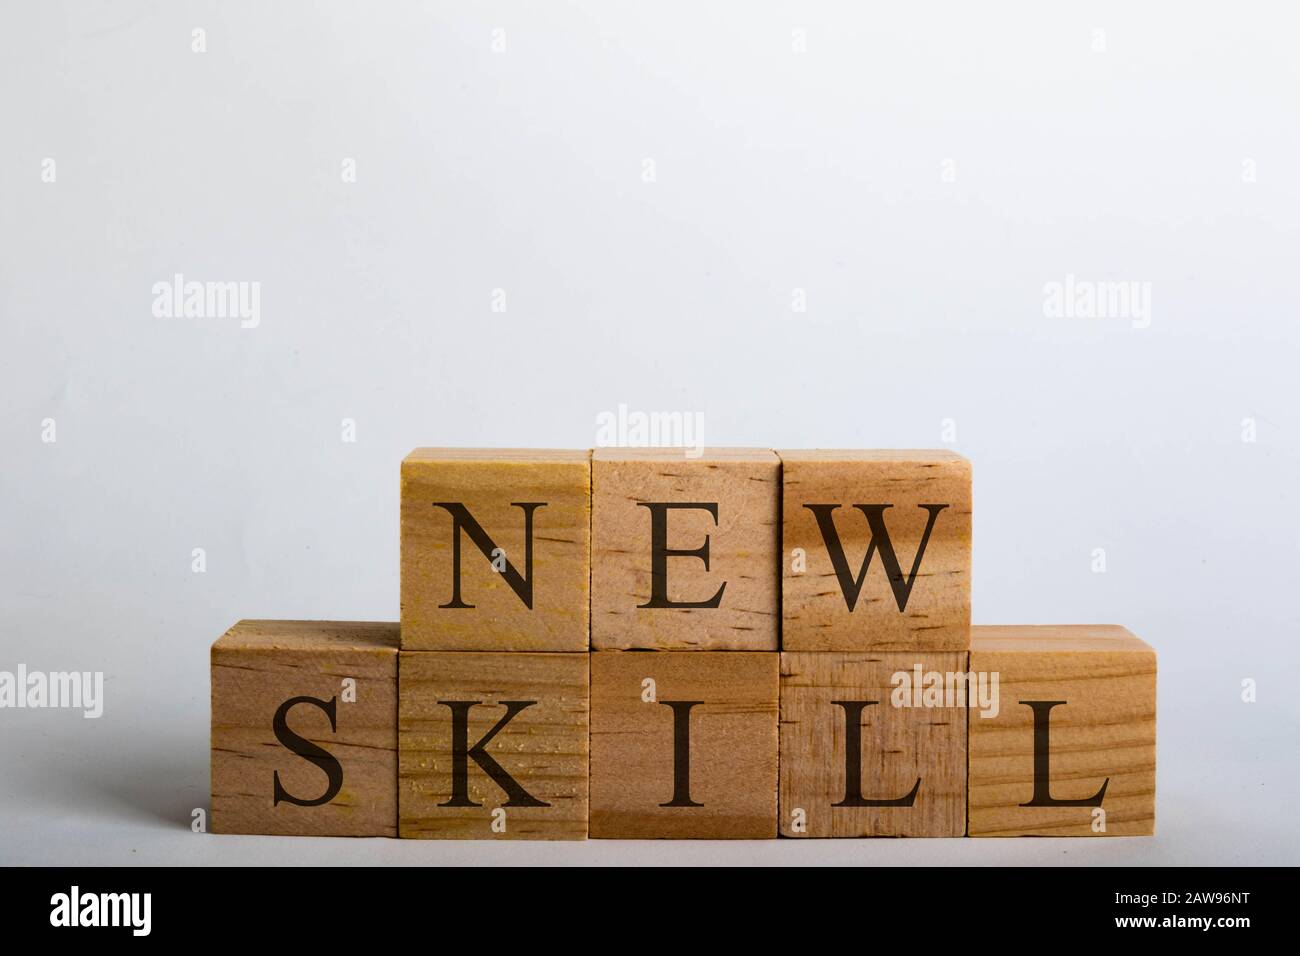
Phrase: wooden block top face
[1077,713]
[312,705]
[654,519]
[876,551]
[465,511]
[500,455]
[1034,638]
[897,745]
[662,767]
[493,746]
[876,455]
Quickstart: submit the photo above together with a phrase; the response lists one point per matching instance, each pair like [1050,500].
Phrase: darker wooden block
[684,744]
[685,550]
[496,550]
[877,551]
[1072,748]
[304,729]
[493,746]
[861,755]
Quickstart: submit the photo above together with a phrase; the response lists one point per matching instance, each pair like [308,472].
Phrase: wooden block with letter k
[496,550]
[877,551]
[1071,750]
[493,745]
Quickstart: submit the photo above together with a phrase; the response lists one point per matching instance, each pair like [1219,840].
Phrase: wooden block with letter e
[1072,748]
[493,745]
[496,550]
[304,729]
[873,744]
[685,549]
[877,550]
[683,744]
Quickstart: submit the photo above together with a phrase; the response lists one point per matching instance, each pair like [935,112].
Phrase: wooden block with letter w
[877,551]
[496,550]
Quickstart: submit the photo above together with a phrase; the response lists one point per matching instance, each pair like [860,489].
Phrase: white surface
[522,170]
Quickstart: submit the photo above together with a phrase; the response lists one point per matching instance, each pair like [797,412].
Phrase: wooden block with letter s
[304,729]
[496,550]
[493,745]
[684,744]
[877,550]
[685,549]
[873,744]
[1071,750]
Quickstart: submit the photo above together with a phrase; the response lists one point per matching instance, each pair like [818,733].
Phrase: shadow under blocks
[716,643]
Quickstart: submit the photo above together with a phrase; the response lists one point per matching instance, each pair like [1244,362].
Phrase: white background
[921,171]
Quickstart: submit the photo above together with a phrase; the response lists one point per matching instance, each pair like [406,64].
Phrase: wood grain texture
[259,665]
[898,746]
[743,549]
[732,745]
[490,484]
[816,615]
[544,747]
[1104,730]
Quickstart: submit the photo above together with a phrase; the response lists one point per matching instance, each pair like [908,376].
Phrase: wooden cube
[1072,748]
[493,746]
[685,549]
[304,729]
[877,550]
[683,744]
[496,550]
[865,751]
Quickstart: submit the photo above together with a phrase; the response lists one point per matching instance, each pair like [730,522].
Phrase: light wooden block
[523,717]
[515,591]
[304,729]
[720,513]
[662,766]
[854,574]
[1087,739]
[914,757]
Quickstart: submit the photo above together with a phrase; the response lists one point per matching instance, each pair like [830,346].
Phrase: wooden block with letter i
[496,550]
[877,551]
[304,729]
[683,744]
[685,549]
[493,745]
[873,744]
[1071,750]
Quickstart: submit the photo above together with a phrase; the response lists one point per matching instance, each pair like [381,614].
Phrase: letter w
[851,586]
[462,520]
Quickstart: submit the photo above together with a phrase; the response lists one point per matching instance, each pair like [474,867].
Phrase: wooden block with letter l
[873,744]
[877,550]
[496,550]
[304,729]
[493,745]
[684,744]
[685,549]
[1072,748]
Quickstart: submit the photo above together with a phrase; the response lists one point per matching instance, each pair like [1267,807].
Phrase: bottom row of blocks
[1045,731]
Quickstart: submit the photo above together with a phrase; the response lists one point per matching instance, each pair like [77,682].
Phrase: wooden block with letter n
[683,744]
[304,729]
[877,550]
[493,745]
[1072,749]
[873,744]
[685,550]
[496,550]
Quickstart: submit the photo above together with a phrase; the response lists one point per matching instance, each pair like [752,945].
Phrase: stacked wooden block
[642,643]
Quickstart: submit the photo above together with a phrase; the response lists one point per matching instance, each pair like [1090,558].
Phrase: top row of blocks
[740,549]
